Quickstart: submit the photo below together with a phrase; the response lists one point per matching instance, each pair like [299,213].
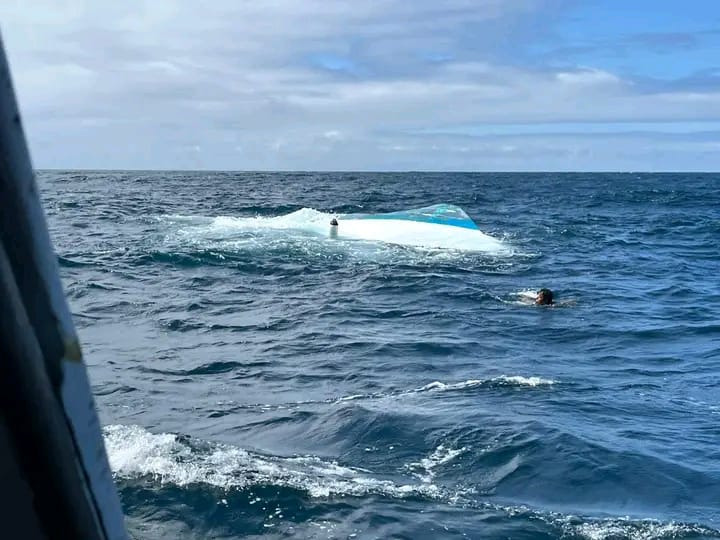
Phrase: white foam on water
[435,386]
[503,380]
[610,529]
[525,381]
[303,219]
[135,452]
[352,397]
[425,468]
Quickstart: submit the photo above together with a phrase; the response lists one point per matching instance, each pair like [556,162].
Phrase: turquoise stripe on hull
[439,214]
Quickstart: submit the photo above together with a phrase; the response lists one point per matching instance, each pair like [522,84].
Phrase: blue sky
[382,85]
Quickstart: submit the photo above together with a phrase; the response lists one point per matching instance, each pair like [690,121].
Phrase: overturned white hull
[418,234]
[442,226]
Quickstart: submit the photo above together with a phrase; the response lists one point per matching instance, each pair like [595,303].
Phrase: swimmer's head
[544,297]
[334,222]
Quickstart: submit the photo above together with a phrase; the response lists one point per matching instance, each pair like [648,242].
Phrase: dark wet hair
[333,221]
[547,296]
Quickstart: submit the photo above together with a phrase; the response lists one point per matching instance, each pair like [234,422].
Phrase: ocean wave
[437,386]
[180,461]
[135,452]
[621,529]
[503,381]
[425,468]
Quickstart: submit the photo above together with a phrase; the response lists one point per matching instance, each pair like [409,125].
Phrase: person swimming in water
[544,297]
[334,222]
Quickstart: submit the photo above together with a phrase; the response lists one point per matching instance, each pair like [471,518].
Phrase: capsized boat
[437,226]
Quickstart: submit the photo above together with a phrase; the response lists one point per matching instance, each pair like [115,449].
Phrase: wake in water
[177,461]
[311,226]
[135,452]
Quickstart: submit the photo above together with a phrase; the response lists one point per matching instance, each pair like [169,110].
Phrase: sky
[468,85]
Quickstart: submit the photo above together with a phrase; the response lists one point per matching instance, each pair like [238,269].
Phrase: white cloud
[138,84]
[588,78]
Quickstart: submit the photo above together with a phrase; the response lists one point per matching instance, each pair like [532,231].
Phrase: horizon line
[386,171]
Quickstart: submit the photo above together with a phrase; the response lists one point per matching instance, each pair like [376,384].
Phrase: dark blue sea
[260,378]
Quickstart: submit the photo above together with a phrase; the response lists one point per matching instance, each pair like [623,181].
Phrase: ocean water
[260,377]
